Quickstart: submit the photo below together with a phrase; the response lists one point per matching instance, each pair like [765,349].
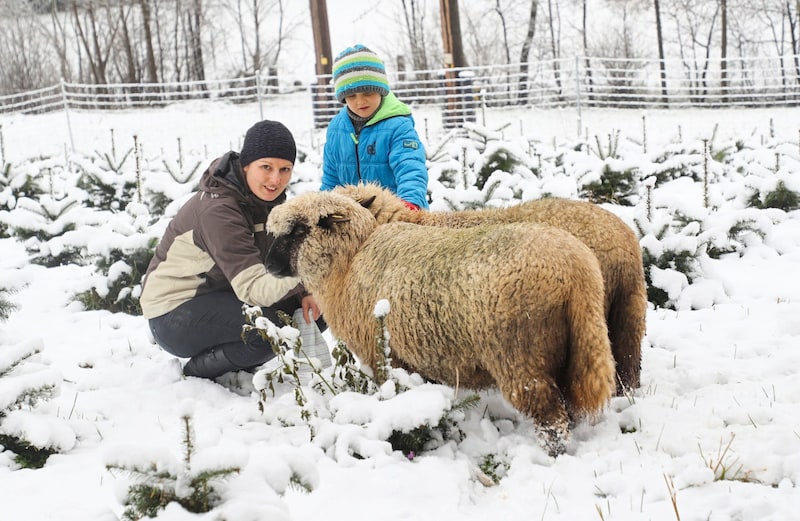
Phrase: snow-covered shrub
[6,305]
[24,384]
[161,479]
[383,396]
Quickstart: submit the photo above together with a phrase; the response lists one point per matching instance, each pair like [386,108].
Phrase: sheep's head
[314,234]
[384,205]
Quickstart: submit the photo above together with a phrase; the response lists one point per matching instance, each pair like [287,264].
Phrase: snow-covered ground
[712,434]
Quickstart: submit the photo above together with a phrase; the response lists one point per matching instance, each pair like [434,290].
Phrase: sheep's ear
[366,203]
[327,221]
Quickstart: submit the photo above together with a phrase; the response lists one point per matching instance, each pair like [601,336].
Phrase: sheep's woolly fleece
[610,239]
[543,286]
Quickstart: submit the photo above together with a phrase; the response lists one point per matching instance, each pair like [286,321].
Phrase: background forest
[161,41]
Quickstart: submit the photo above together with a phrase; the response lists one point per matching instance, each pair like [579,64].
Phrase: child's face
[363,103]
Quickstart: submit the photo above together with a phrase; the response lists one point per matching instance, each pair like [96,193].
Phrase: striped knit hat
[358,69]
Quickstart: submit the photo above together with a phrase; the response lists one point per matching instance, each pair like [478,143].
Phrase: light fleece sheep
[519,306]
[612,241]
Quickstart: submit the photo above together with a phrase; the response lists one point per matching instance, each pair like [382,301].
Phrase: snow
[713,431]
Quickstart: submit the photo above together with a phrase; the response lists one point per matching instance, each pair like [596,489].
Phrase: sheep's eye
[299,230]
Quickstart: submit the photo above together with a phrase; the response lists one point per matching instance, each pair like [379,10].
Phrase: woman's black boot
[209,364]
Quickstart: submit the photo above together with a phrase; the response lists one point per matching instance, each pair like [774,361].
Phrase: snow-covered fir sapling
[286,343]
[6,306]
[113,163]
[137,156]
[644,132]
[706,151]
[493,469]
[119,277]
[464,166]
[781,197]
[179,175]
[23,385]
[649,183]
[669,258]
[382,350]
[161,480]
[616,185]
[346,376]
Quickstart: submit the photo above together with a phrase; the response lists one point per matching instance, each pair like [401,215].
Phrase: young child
[372,139]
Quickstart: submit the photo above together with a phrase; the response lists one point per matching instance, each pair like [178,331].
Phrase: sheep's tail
[626,326]
[590,376]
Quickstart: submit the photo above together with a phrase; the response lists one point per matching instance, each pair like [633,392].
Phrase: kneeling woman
[210,260]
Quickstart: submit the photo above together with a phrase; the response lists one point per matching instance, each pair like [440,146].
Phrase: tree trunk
[661,62]
[127,47]
[793,27]
[195,29]
[500,13]
[585,31]
[90,42]
[60,42]
[723,65]
[257,35]
[416,35]
[524,54]
[554,47]
[152,72]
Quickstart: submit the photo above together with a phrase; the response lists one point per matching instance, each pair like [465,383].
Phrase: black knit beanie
[267,139]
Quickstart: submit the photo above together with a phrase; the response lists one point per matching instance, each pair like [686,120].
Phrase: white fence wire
[460,93]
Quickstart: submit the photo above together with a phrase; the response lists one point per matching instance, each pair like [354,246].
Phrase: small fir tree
[6,305]
[158,487]
[30,387]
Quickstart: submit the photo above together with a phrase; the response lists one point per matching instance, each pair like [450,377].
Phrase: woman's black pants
[208,330]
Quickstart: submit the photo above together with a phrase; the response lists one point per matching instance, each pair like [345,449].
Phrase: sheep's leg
[540,398]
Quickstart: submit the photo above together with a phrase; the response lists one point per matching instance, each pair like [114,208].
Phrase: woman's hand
[311,309]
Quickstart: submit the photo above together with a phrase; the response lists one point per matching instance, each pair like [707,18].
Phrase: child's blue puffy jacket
[387,151]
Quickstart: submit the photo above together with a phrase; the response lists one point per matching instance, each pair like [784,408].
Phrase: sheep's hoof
[554,441]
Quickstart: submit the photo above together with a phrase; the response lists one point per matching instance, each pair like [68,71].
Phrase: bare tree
[484,43]
[621,55]
[24,52]
[694,24]
[152,72]
[524,53]
[58,36]
[97,28]
[502,17]
[253,19]
[127,45]
[554,22]
[414,19]
[662,66]
[195,21]
[794,22]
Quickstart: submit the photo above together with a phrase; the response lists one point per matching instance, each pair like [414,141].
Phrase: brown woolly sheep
[519,306]
[612,241]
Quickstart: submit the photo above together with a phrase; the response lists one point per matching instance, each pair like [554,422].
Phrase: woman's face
[267,177]
[363,103]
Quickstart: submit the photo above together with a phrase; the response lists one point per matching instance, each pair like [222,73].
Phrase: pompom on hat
[267,139]
[358,69]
